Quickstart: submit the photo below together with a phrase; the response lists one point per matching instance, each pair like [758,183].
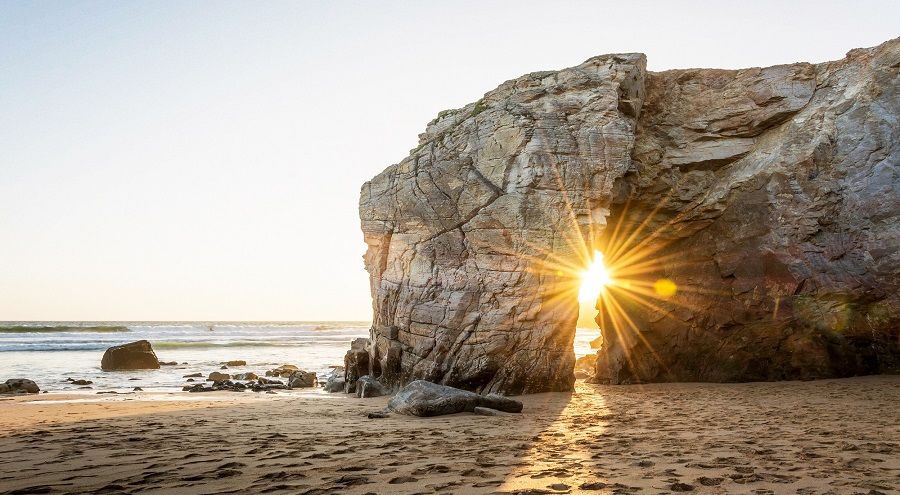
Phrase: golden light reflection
[594,280]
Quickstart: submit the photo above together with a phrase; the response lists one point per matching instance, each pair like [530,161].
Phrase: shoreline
[817,437]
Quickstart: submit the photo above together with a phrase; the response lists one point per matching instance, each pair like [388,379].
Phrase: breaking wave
[63,329]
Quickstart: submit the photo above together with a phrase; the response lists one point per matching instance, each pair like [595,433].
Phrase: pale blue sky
[202,160]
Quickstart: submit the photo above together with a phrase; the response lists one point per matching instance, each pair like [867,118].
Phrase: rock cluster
[752,218]
[132,356]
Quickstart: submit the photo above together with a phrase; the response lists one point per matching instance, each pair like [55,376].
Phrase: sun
[594,279]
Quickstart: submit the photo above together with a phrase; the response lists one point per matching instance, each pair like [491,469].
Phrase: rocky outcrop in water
[132,356]
[751,219]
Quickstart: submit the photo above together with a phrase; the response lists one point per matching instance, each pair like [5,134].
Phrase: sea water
[50,353]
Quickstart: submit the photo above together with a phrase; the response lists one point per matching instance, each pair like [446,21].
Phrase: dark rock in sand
[193,375]
[335,381]
[217,385]
[236,363]
[367,386]
[303,379]
[267,381]
[138,389]
[168,363]
[133,356]
[356,364]
[19,385]
[421,398]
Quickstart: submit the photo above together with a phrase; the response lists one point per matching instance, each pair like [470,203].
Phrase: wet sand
[829,436]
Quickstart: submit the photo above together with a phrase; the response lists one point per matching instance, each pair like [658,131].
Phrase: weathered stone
[236,363]
[335,381]
[215,375]
[19,385]
[132,356]
[283,371]
[487,411]
[303,379]
[82,382]
[245,376]
[421,398]
[356,364]
[766,202]
[367,386]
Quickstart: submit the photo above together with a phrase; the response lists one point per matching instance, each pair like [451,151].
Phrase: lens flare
[594,280]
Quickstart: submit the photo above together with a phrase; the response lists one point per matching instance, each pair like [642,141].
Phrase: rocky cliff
[750,218]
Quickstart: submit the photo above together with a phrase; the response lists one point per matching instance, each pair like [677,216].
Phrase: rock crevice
[768,197]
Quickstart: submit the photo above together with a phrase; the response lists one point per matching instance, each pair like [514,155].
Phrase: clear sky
[202,160]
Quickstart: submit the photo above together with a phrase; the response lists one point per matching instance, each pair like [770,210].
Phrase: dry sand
[830,436]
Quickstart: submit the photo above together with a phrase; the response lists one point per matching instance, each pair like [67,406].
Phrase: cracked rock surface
[770,197]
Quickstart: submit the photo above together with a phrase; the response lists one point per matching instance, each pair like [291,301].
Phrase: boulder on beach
[132,356]
[335,381]
[216,376]
[303,379]
[20,386]
[421,398]
[367,386]
[236,363]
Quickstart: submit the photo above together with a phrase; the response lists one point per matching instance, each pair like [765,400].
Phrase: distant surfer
[210,329]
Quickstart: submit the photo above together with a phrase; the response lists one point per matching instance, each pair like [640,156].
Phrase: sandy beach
[818,437]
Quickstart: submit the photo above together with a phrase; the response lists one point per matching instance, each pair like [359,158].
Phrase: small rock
[682,487]
[190,380]
[81,382]
[215,375]
[367,386]
[487,411]
[335,381]
[302,379]
[236,363]
[138,389]
[193,375]
[376,415]
[169,363]
[224,367]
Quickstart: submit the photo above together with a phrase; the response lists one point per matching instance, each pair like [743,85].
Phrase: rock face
[134,356]
[421,398]
[750,218]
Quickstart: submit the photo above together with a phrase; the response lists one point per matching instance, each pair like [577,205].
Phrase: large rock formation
[762,204]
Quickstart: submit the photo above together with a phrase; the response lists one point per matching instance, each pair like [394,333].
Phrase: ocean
[50,353]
